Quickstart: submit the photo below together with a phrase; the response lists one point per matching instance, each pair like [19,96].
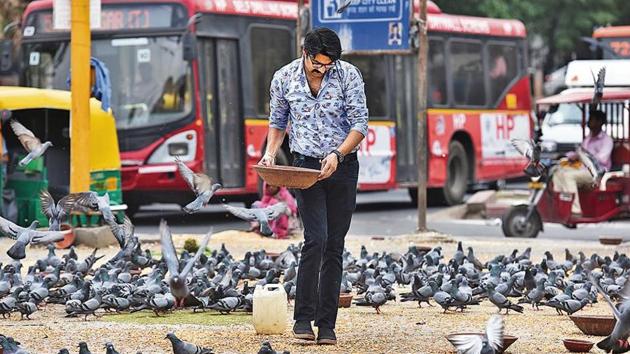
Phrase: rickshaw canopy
[103,136]
[585,96]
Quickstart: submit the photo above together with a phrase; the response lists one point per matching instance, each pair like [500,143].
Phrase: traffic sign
[366,24]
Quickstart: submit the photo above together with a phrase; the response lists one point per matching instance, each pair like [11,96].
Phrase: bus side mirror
[6,57]
[189,46]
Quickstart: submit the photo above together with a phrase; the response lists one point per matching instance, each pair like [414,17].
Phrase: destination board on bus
[118,17]
[366,24]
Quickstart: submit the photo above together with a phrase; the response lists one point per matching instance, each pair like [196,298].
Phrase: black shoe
[303,330]
[326,336]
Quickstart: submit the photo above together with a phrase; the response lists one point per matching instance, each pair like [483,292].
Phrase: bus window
[503,69]
[270,50]
[437,74]
[466,64]
[373,69]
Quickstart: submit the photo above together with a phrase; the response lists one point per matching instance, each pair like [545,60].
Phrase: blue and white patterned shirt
[319,124]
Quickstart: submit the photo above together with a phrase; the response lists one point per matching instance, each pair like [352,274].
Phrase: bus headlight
[182,144]
[178,149]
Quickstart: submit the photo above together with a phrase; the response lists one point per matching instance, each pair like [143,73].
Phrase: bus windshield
[151,82]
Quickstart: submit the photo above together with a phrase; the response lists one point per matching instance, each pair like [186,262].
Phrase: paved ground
[378,214]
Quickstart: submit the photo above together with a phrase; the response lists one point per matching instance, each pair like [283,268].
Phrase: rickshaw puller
[568,178]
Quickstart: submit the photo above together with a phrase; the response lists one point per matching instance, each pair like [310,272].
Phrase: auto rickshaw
[47,114]
[607,199]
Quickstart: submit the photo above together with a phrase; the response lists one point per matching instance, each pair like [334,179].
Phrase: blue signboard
[366,24]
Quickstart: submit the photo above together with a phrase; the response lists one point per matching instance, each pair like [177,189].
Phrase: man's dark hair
[323,41]
[599,115]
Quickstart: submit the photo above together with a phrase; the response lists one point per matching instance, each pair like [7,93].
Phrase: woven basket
[287,176]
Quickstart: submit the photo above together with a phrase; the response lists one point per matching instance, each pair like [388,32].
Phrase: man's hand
[329,166]
[267,160]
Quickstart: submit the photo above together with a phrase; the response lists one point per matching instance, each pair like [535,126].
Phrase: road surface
[378,214]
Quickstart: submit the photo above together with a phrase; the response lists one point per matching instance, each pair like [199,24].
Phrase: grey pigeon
[617,341]
[29,141]
[200,183]
[500,301]
[58,212]
[92,201]
[177,280]
[374,299]
[227,304]
[569,306]
[489,343]
[24,236]
[83,348]
[26,309]
[181,347]
[531,150]
[63,351]
[10,346]
[535,296]
[122,232]
[266,348]
[344,6]
[261,215]
[110,348]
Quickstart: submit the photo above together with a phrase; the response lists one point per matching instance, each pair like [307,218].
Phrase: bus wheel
[514,223]
[456,174]
[281,159]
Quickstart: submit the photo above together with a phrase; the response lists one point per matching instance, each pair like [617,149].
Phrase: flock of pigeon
[220,282]
[133,280]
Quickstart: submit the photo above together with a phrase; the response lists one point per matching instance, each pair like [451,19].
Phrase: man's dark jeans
[326,209]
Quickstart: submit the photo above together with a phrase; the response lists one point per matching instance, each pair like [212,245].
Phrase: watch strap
[340,156]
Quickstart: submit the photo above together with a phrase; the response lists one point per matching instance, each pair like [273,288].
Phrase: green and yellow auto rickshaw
[47,114]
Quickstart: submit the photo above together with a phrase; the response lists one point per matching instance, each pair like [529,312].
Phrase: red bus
[210,105]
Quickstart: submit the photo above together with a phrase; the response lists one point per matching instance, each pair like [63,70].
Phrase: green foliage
[560,23]
[191,245]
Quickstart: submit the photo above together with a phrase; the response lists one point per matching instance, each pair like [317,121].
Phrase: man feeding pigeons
[324,100]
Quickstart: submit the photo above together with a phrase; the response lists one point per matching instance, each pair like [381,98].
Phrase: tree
[10,10]
[560,23]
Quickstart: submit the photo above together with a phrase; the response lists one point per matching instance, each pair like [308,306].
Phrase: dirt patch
[401,328]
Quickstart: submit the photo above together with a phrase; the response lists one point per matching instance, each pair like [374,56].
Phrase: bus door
[405,97]
[224,148]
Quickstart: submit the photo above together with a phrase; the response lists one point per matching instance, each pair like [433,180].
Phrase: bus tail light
[183,145]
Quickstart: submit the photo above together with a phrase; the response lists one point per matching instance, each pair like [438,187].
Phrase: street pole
[80,78]
[422,117]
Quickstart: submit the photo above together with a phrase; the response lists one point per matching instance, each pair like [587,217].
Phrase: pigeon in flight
[55,212]
[599,87]
[617,341]
[177,280]
[122,232]
[200,183]
[590,162]
[29,141]
[92,201]
[489,343]
[531,150]
[344,6]
[26,235]
[262,215]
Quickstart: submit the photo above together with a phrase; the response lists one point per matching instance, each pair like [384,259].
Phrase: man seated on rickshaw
[571,174]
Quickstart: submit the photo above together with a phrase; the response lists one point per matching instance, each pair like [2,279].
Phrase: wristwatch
[340,156]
